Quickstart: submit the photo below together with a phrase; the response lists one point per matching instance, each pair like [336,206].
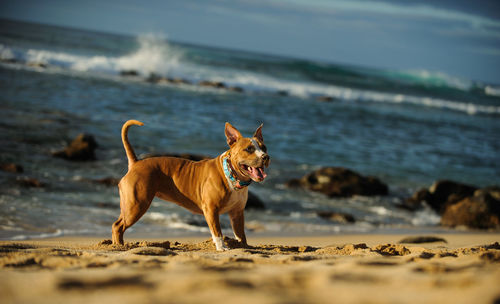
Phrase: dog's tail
[128,148]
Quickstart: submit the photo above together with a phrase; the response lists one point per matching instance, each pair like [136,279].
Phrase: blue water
[408,128]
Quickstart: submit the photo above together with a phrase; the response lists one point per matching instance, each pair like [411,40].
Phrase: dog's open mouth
[257,174]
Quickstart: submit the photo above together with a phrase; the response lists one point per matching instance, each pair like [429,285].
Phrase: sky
[459,38]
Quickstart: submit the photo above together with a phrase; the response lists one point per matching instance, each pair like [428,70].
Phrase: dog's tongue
[257,173]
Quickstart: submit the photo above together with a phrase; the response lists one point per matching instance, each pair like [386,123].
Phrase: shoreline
[355,268]
[456,239]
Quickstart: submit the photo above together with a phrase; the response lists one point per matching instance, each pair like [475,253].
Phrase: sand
[327,269]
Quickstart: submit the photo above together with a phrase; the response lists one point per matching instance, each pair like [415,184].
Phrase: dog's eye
[250,149]
[263,148]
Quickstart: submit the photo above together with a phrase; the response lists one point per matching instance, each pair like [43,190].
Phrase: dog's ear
[232,134]
[258,133]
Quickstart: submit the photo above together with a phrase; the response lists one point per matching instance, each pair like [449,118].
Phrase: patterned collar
[231,176]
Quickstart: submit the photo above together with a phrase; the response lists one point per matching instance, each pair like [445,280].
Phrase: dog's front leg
[238,223]
[212,218]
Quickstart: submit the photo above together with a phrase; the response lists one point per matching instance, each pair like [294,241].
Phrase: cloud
[387,8]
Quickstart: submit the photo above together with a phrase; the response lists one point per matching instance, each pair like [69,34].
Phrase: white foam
[425,217]
[153,55]
[6,53]
[492,91]
[56,233]
[173,221]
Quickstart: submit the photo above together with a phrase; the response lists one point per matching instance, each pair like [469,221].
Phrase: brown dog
[209,187]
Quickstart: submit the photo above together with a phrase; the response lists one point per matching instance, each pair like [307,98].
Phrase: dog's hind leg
[118,229]
[132,208]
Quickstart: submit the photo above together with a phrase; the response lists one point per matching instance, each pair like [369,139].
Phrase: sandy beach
[447,268]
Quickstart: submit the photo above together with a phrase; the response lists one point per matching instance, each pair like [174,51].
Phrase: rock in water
[11,167]
[441,194]
[82,148]
[213,84]
[340,182]
[480,211]
[254,202]
[336,216]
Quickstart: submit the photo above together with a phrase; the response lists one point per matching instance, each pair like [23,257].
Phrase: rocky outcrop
[39,65]
[440,195]
[157,79]
[338,217]
[213,84]
[254,202]
[325,98]
[129,73]
[82,148]
[11,167]
[479,211]
[236,89]
[30,182]
[154,78]
[461,205]
[340,182]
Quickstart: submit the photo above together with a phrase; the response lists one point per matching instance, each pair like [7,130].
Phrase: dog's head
[248,155]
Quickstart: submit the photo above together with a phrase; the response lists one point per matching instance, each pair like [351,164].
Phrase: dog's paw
[223,248]
[219,244]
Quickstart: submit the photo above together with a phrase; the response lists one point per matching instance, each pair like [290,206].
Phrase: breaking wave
[154,54]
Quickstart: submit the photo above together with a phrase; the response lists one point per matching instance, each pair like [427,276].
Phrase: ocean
[409,128]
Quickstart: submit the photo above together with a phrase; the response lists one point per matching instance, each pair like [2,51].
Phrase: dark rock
[213,84]
[127,73]
[294,183]
[441,194]
[180,81]
[82,148]
[236,89]
[341,182]
[445,192]
[30,182]
[40,65]
[325,98]
[422,239]
[282,93]
[336,216]
[415,201]
[10,60]
[254,202]
[493,191]
[480,211]
[108,181]
[154,78]
[11,167]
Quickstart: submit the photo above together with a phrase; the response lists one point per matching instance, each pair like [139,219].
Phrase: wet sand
[464,268]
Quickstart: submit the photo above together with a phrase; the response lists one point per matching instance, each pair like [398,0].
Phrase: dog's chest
[235,200]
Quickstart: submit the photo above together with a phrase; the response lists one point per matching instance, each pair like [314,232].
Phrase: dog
[209,187]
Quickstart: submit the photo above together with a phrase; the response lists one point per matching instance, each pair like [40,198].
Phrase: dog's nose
[265,157]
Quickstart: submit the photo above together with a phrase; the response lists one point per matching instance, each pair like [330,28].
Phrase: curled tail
[128,148]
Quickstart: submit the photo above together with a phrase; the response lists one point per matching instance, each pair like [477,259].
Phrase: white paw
[219,244]
[222,248]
